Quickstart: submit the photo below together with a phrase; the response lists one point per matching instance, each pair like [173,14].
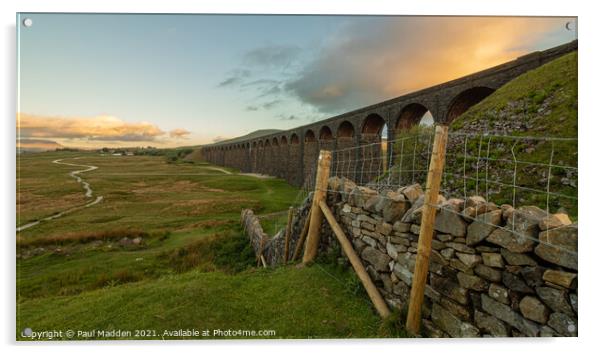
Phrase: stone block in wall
[407,260]
[499,293]
[402,290]
[403,273]
[553,221]
[493,260]
[490,249]
[452,325]
[448,221]
[506,314]
[473,282]
[533,275]
[490,324]
[488,273]
[470,260]
[482,227]
[558,277]
[525,220]
[460,247]
[431,331]
[563,324]
[412,193]
[399,239]
[368,226]
[401,227]
[533,309]
[460,266]
[384,228]
[519,259]
[516,283]
[392,205]
[450,288]
[559,246]
[359,195]
[444,237]
[555,299]
[512,241]
[369,241]
[370,203]
[379,260]
[447,253]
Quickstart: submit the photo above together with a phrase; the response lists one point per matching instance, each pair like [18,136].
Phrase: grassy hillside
[541,102]
[536,106]
[191,265]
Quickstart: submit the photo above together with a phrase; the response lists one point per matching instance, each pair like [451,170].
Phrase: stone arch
[283,157]
[267,158]
[310,153]
[326,138]
[345,130]
[345,155]
[464,100]
[373,125]
[371,162]
[295,163]
[274,164]
[411,115]
[309,136]
[325,133]
[254,156]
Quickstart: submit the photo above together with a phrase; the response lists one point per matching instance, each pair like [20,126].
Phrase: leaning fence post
[287,233]
[315,221]
[429,210]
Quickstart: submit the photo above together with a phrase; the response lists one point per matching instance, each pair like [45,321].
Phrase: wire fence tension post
[316,216]
[429,211]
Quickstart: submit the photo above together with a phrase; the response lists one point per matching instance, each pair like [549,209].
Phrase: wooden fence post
[315,221]
[301,239]
[362,274]
[429,210]
[287,233]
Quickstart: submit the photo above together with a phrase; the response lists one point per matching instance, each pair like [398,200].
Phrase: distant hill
[253,135]
[37,145]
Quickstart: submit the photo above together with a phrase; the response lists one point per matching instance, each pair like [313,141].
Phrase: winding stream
[85,185]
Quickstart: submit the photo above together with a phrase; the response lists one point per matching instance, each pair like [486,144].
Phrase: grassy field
[164,251]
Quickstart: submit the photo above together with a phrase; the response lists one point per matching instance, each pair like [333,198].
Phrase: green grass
[193,268]
[296,303]
[551,88]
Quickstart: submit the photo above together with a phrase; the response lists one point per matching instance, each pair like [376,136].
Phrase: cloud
[252,108]
[179,133]
[373,59]
[288,117]
[237,77]
[271,104]
[279,56]
[100,128]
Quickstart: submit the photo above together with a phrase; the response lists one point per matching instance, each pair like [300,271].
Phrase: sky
[94,80]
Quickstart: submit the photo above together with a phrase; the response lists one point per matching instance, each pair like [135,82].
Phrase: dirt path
[85,185]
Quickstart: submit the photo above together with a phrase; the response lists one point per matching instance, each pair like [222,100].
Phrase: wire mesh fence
[483,173]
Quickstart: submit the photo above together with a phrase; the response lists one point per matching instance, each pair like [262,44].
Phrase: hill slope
[541,102]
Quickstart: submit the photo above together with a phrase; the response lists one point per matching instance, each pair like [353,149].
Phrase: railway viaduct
[292,154]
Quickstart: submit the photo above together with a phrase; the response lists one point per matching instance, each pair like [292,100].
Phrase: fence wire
[509,171]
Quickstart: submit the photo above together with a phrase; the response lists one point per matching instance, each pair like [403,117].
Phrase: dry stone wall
[494,270]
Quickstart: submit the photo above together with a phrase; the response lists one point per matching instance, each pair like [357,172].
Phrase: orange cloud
[179,133]
[102,128]
[374,59]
